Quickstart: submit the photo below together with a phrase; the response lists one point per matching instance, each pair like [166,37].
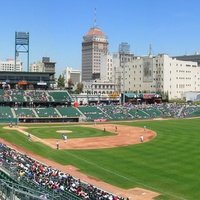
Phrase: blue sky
[56,27]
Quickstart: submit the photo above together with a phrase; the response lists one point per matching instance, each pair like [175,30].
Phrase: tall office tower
[94,45]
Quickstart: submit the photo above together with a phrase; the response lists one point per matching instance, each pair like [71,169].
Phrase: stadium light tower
[22,46]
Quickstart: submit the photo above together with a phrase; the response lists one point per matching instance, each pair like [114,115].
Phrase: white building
[106,68]
[9,65]
[85,98]
[37,67]
[192,96]
[98,87]
[74,75]
[160,74]
[120,59]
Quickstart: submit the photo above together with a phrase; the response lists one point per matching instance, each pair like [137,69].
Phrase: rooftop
[95,31]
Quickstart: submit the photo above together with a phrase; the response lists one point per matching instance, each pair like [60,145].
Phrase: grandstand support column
[82,115]
[35,112]
[57,112]
[13,112]
[180,111]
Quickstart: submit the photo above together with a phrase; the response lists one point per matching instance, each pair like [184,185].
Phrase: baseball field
[169,163]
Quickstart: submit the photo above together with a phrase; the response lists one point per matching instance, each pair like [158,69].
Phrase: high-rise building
[123,56]
[106,72]
[94,45]
[9,65]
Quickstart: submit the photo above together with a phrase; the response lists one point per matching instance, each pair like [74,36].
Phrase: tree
[79,88]
[61,81]
[70,83]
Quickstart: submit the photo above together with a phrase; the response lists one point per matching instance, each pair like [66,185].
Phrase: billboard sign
[21,38]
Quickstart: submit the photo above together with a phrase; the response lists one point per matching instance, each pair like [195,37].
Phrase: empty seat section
[5,112]
[46,112]
[60,96]
[92,112]
[68,112]
[24,112]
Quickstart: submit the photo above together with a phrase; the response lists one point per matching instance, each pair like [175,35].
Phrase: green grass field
[169,164]
[76,132]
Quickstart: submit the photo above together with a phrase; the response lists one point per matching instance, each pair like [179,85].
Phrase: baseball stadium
[50,150]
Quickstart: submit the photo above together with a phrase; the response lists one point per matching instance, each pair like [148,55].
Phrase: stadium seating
[46,112]
[1,95]
[37,96]
[68,112]
[153,112]
[60,96]
[92,113]
[1,92]
[17,96]
[192,111]
[164,110]
[4,96]
[6,112]
[139,113]
[52,104]
[30,175]
[116,112]
[24,112]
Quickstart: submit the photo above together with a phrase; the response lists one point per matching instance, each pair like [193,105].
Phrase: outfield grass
[169,164]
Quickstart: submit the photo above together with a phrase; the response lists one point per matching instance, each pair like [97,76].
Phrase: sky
[57,27]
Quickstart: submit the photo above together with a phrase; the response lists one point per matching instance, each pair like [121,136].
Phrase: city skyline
[57,27]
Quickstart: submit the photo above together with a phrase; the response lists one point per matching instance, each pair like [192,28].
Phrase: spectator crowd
[24,167]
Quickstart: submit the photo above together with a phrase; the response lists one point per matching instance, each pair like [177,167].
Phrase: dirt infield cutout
[124,136]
